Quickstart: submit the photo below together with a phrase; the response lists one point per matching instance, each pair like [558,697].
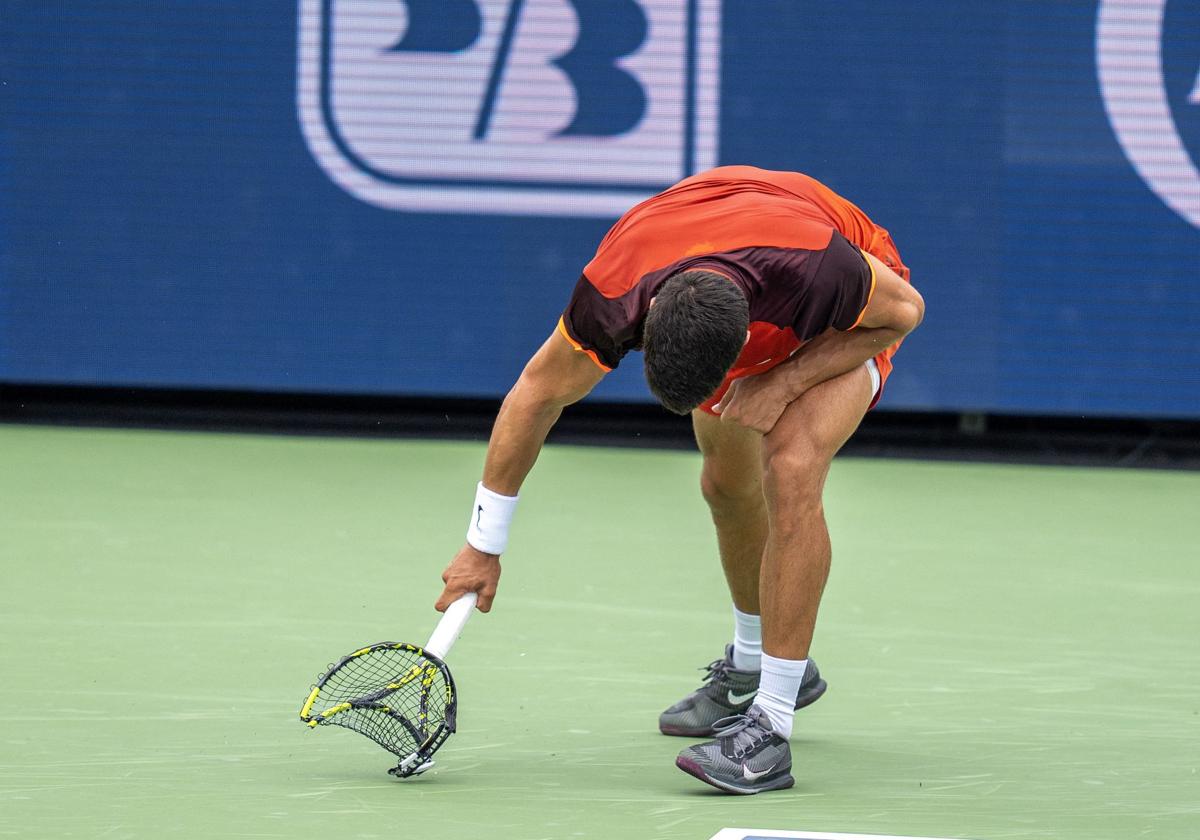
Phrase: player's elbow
[915,306]
[895,305]
[908,310]
[544,391]
[531,395]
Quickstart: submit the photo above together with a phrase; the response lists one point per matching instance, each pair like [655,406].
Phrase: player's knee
[794,475]
[729,491]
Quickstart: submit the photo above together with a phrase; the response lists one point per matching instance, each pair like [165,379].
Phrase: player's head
[693,334]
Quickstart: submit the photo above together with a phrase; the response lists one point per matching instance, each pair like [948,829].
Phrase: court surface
[1012,652]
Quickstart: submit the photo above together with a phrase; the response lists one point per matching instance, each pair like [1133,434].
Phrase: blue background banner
[166,221]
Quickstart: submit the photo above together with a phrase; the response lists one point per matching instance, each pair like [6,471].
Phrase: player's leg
[731,483]
[796,456]
[751,753]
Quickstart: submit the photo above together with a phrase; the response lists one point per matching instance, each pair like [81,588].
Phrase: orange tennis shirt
[791,244]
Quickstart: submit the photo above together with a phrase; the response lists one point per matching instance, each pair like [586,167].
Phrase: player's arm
[893,310]
[555,377]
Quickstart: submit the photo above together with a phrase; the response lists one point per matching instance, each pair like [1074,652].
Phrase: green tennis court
[1011,651]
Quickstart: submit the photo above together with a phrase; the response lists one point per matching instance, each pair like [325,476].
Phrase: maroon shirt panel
[809,291]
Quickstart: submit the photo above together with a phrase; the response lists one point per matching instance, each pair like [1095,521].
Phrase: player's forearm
[894,309]
[555,377]
[525,419]
[833,353]
[521,427]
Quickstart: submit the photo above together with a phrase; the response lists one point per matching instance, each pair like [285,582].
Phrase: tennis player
[769,308]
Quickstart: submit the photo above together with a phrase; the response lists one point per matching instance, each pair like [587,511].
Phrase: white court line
[741,833]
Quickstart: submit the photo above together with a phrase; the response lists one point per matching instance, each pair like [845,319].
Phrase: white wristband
[490,518]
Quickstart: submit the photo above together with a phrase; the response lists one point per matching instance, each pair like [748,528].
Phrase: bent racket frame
[399,695]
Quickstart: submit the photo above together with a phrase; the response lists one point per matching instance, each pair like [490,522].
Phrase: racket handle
[452,623]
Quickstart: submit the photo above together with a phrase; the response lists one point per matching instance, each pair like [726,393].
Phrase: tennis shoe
[746,757]
[727,691]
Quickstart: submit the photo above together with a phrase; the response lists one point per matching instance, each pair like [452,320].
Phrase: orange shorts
[883,249]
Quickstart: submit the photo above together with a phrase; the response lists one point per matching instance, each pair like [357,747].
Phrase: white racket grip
[452,624]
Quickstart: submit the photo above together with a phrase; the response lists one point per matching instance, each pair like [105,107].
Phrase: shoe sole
[806,697]
[811,694]
[693,769]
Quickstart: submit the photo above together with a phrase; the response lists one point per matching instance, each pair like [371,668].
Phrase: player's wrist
[791,379]
[491,516]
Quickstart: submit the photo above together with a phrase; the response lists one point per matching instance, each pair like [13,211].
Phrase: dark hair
[693,334]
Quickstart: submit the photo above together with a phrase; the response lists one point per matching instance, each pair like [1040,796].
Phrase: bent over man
[769,308]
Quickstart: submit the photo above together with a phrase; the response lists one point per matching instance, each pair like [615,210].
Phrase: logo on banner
[1134,84]
[548,107]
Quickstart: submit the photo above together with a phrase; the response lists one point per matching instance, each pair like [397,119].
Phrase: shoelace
[747,733]
[716,669]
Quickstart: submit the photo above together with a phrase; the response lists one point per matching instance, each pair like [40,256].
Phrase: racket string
[396,697]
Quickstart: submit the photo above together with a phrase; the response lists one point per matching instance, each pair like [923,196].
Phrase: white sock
[747,641]
[777,691]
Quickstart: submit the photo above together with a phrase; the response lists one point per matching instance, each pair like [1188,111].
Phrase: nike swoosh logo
[739,699]
[753,776]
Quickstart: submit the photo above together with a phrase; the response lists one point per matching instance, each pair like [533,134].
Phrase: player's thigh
[796,454]
[732,459]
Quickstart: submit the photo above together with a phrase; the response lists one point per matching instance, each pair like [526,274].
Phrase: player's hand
[756,402]
[470,571]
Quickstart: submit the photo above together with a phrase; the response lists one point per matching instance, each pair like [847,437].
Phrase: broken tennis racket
[399,695]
